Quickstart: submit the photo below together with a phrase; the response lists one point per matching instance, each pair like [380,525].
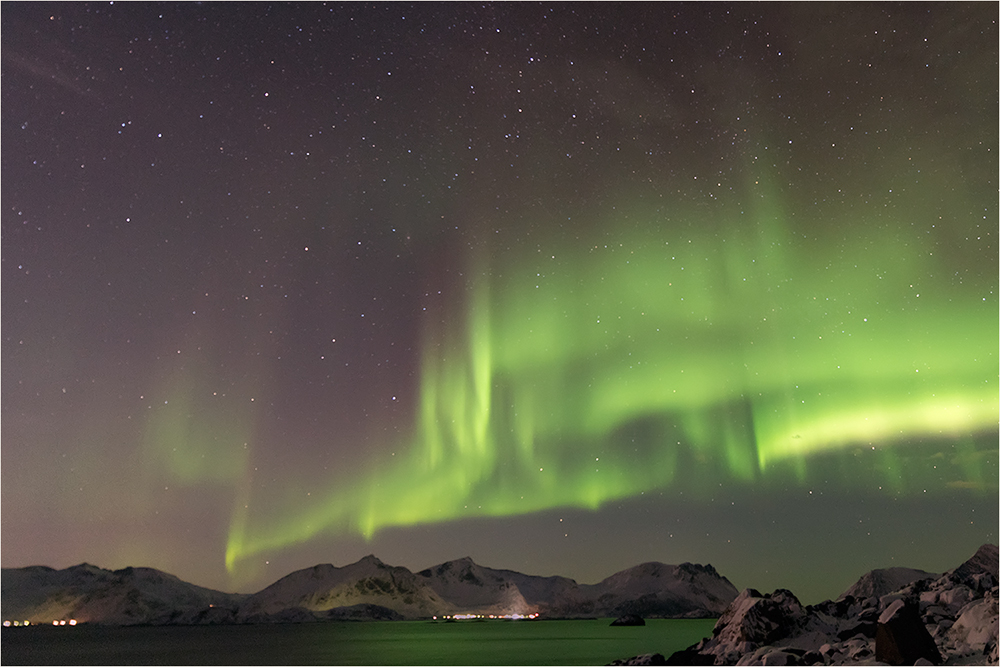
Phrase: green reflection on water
[581,642]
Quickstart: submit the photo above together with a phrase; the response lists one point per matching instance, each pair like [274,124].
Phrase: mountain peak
[707,568]
[459,585]
[86,566]
[879,582]
[985,560]
[86,569]
[463,564]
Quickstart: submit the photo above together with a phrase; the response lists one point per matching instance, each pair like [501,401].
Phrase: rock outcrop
[901,637]
[645,659]
[931,619]
[628,619]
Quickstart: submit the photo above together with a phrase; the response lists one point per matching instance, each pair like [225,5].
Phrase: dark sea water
[541,642]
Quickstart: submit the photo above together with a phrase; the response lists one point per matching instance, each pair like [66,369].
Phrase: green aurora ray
[676,357]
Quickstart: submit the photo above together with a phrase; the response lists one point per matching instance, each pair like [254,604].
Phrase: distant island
[894,616]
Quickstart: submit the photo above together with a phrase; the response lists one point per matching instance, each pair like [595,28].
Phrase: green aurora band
[603,370]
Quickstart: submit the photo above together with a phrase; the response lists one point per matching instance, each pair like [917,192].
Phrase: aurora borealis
[553,371]
[561,287]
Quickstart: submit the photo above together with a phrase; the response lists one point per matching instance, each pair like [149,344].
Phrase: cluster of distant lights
[18,624]
[507,617]
[455,617]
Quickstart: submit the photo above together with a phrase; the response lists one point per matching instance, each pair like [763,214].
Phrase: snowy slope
[90,594]
[472,588]
[648,589]
[324,587]
[984,561]
[884,581]
[656,589]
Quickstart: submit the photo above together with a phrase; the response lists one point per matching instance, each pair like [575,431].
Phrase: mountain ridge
[368,588]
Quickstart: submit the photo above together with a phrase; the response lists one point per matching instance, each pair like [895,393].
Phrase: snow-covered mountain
[463,586]
[654,589]
[650,589]
[473,588]
[85,593]
[366,589]
[325,587]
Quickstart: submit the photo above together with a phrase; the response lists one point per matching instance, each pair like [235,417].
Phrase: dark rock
[901,638]
[867,629]
[780,657]
[812,658]
[868,615]
[629,619]
[845,607]
[289,615]
[211,616]
[690,656]
[364,612]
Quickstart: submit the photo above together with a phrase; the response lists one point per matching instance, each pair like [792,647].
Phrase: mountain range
[366,590]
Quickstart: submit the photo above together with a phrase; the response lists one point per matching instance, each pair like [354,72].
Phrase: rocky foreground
[895,617]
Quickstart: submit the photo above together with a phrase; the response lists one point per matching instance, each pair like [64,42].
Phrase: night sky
[564,288]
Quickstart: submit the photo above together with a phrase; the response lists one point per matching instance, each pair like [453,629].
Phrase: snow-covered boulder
[754,621]
[974,632]
[952,618]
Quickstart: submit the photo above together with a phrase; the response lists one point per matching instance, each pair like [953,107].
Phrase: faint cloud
[39,69]
[966,484]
